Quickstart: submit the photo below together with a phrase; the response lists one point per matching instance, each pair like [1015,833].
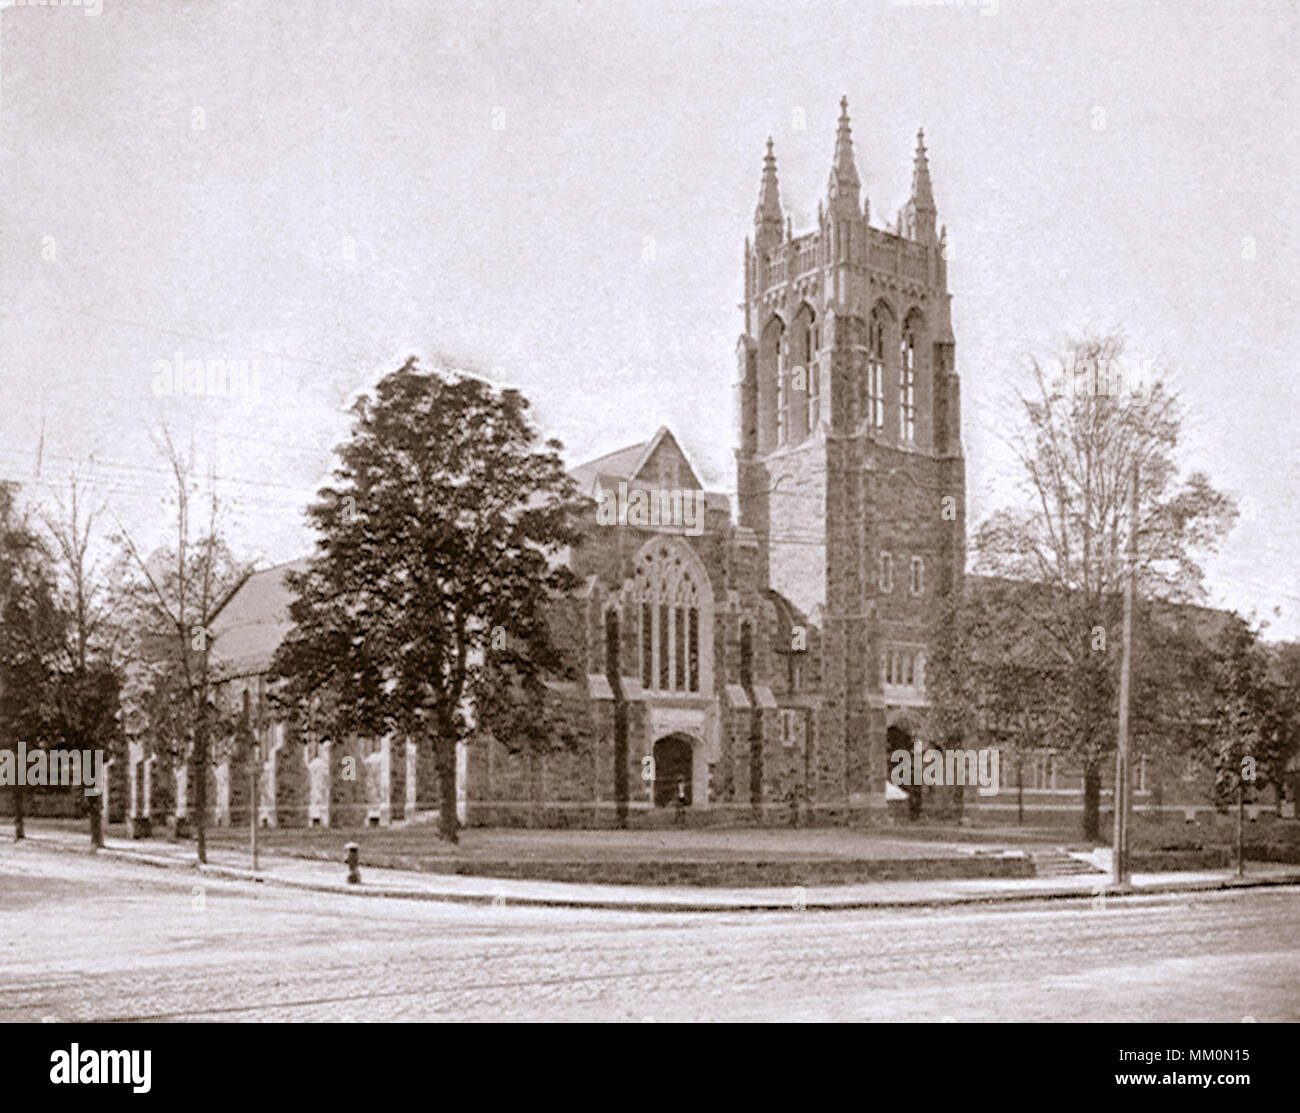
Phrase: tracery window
[669,600]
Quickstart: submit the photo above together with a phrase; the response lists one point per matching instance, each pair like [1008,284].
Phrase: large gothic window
[907,386]
[672,604]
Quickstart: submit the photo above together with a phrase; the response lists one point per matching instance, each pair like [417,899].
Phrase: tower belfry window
[907,387]
[811,373]
[876,374]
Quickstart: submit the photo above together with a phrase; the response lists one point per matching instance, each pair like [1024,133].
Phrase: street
[86,939]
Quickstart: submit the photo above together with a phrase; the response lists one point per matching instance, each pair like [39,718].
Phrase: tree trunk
[1092,802]
[97,819]
[445,760]
[20,827]
[1020,791]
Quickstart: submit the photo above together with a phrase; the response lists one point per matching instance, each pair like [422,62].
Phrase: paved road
[84,939]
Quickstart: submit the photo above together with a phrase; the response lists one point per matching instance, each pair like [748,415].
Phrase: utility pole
[1241,823]
[1119,855]
[253,808]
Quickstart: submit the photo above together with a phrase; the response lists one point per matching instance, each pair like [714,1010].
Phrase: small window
[918,575]
[903,668]
[793,726]
[886,573]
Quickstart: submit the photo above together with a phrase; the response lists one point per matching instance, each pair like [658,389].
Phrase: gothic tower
[849,465]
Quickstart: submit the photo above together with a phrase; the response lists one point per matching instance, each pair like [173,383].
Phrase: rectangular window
[918,575]
[665,647]
[794,726]
[886,573]
[903,668]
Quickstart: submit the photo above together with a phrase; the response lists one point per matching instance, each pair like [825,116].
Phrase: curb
[502,899]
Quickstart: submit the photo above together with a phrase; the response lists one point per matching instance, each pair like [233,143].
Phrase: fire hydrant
[353,860]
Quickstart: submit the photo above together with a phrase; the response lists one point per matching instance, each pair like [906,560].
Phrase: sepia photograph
[649,512]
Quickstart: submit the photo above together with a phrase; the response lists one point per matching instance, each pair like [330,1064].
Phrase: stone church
[771,663]
[752,665]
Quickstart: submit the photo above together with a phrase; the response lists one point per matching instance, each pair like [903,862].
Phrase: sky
[557,195]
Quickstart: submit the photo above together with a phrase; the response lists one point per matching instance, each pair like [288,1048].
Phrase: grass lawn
[419,843]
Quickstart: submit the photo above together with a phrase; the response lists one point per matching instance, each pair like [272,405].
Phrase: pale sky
[558,193]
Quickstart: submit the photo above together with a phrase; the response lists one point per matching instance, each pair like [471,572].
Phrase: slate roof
[616,465]
[253,623]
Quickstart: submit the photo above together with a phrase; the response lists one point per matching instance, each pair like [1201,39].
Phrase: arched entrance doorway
[899,738]
[672,756]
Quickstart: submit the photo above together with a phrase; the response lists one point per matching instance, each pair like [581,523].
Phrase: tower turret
[844,185]
[767,215]
[920,213]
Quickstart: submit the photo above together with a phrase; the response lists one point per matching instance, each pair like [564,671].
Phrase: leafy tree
[1251,737]
[439,552]
[1285,659]
[988,681]
[1078,440]
[30,631]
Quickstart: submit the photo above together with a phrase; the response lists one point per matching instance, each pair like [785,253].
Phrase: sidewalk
[329,877]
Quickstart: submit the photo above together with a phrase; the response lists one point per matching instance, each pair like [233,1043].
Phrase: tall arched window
[782,394]
[876,373]
[907,386]
[771,383]
[673,605]
[810,345]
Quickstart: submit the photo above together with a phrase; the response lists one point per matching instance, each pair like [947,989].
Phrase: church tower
[849,465]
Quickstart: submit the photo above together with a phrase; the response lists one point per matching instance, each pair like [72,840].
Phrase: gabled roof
[619,464]
[254,621]
[630,463]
